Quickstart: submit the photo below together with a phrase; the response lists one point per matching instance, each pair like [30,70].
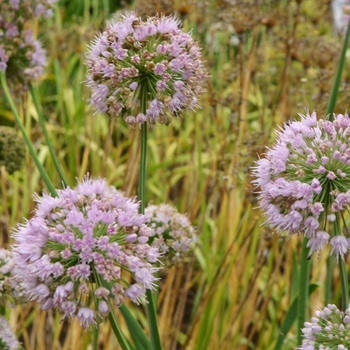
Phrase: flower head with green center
[174,236]
[145,71]
[305,181]
[8,341]
[83,246]
[330,329]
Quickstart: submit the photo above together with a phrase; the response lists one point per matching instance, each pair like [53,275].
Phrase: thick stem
[334,94]
[150,306]
[328,287]
[344,285]
[303,288]
[40,167]
[143,168]
[46,134]
[95,338]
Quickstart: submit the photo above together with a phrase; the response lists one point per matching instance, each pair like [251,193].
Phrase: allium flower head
[144,71]
[174,235]
[9,286]
[8,340]
[330,329]
[81,246]
[22,57]
[305,181]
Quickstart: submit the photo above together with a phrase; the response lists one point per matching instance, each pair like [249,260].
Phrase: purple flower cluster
[9,286]
[305,181]
[22,57]
[8,341]
[85,245]
[329,330]
[144,71]
[175,237]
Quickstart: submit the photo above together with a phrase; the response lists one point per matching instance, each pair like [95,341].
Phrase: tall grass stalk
[30,146]
[47,137]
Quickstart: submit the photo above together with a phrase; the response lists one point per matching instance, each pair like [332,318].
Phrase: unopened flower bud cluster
[304,181]
[330,329]
[85,245]
[8,340]
[145,71]
[21,56]
[175,237]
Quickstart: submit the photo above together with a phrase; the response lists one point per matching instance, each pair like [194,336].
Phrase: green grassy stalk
[38,164]
[344,285]
[334,94]
[47,137]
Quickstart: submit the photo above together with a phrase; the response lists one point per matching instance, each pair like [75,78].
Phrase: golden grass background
[267,61]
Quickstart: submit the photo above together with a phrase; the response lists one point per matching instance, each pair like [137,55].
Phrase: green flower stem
[304,277]
[95,338]
[330,110]
[335,89]
[344,285]
[150,306]
[47,138]
[328,286]
[40,167]
[143,168]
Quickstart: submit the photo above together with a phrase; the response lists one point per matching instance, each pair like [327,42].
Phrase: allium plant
[21,56]
[304,181]
[9,286]
[329,330]
[174,236]
[145,70]
[83,246]
[8,341]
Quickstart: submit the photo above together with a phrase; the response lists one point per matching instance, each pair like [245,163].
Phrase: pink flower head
[19,50]
[143,62]
[79,239]
[328,330]
[304,178]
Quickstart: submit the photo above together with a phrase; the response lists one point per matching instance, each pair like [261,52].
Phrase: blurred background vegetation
[268,60]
